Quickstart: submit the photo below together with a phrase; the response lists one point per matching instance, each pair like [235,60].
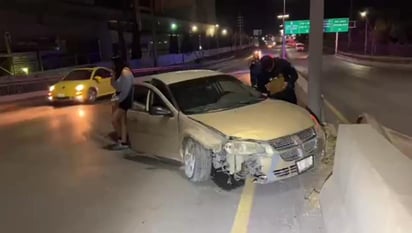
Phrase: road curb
[372,63]
[303,84]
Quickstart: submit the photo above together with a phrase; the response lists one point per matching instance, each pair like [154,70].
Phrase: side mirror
[160,111]
[98,78]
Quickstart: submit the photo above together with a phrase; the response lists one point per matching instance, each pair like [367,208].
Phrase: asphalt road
[355,89]
[56,176]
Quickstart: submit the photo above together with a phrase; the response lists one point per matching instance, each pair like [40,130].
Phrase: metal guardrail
[25,84]
[31,85]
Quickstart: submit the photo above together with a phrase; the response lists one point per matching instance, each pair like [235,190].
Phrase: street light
[364,15]
[217,25]
[283,17]
[194,28]
[173,26]
[224,32]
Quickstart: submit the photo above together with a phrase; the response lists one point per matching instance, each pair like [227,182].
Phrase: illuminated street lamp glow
[194,28]
[217,25]
[224,32]
[211,31]
[286,16]
[25,70]
[363,14]
[173,26]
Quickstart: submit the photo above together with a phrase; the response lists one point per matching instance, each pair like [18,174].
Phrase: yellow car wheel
[91,96]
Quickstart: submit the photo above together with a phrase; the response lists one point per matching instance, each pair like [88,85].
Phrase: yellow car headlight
[80,87]
[51,88]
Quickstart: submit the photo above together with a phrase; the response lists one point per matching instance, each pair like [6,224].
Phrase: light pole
[364,15]
[284,32]
[283,17]
[315,56]
[217,36]
[154,22]
[194,30]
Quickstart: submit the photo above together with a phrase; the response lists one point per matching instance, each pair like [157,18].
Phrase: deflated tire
[197,161]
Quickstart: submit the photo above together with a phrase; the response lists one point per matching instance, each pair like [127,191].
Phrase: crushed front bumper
[275,169]
[280,165]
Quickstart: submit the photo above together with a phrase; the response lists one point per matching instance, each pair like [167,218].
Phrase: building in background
[70,32]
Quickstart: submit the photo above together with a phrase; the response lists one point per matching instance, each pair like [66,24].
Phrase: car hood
[265,120]
[69,83]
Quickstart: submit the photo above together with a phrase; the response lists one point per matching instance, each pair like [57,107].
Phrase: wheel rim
[189,163]
[92,96]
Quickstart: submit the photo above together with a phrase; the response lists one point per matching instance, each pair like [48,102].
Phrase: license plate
[304,164]
[60,95]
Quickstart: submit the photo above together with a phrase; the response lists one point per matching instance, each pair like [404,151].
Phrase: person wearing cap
[122,82]
[272,68]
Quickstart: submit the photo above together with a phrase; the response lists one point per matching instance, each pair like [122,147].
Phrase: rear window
[78,75]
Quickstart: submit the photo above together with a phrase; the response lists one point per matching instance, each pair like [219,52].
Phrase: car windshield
[78,75]
[211,94]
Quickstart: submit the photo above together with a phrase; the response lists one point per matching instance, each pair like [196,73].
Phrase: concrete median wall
[378,61]
[370,190]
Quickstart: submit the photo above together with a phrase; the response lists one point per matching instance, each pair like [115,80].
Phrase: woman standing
[122,82]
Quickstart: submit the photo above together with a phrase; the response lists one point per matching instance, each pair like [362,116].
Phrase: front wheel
[91,96]
[197,161]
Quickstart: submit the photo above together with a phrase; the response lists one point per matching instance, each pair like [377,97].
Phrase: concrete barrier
[399,140]
[370,190]
[384,62]
[386,59]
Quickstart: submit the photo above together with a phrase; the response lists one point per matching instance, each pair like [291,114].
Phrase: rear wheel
[197,161]
[91,96]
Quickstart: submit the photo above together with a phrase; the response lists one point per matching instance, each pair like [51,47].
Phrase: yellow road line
[241,222]
[335,111]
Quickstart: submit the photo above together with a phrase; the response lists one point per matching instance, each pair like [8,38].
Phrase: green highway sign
[297,27]
[329,26]
[336,25]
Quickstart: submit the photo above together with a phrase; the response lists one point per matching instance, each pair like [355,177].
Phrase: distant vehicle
[300,47]
[83,85]
[271,45]
[212,122]
[257,55]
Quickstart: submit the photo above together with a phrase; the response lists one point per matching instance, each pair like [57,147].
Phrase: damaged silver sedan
[210,121]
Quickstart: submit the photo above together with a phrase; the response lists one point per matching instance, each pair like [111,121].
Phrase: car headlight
[51,88]
[244,148]
[80,87]
[320,133]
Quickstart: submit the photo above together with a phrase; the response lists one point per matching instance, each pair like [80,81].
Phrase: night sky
[262,13]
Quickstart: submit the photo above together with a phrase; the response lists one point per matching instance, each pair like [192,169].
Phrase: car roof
[184,75]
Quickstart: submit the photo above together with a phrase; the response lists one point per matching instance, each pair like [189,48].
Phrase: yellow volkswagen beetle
[82,85]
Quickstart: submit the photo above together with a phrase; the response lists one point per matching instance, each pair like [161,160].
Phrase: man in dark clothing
[272,68]
[255,70]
